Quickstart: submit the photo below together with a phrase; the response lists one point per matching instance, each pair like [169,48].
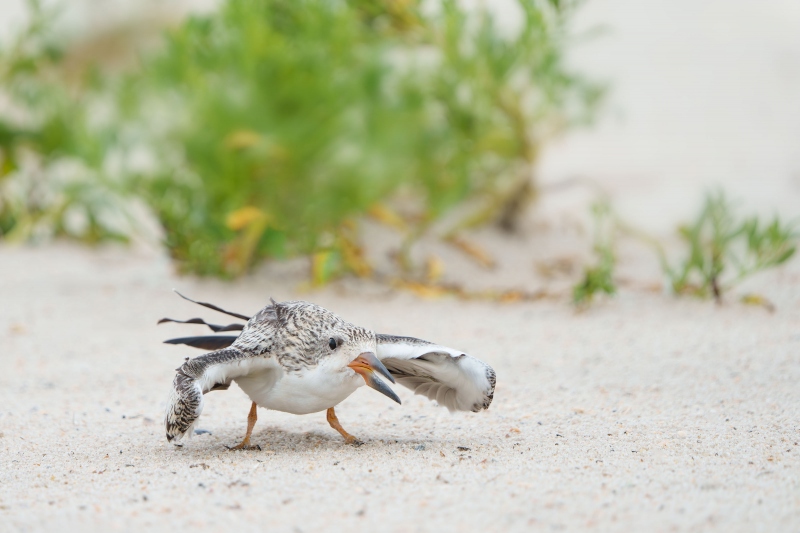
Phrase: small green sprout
[723,250]
[599,278]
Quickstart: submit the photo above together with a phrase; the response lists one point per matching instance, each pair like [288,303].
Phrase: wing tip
[491,377]
[488,395]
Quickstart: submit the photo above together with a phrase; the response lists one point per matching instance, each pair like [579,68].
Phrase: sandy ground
[645,413]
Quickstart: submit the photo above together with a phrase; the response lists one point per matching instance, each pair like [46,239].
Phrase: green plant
[52,180]
[723,250]
[270,127]
[599,278]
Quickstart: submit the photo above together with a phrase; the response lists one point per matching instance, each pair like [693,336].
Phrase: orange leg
[334,422]
[251,422]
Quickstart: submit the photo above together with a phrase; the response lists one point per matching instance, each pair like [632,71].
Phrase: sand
[646,412]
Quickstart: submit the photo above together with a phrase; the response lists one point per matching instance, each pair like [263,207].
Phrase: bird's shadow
[274,440]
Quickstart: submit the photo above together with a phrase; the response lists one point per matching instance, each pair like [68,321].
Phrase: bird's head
[354,348]
[311,334]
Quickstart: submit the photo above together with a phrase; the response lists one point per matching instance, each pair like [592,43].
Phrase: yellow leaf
[757,299]
[353,257]
[424,290]
[434,269]
[473,250]
[323,266]
[386,216]
[241,139]
[511,296]
[241,218]
[251,222]
[352,254]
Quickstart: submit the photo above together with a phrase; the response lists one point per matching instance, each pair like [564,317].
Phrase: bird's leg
[334,422]
[251,422]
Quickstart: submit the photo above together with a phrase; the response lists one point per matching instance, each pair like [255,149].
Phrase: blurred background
[498,149]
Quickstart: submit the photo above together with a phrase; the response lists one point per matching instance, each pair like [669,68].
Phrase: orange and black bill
[367,364]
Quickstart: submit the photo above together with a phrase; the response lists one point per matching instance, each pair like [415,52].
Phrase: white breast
[300,393]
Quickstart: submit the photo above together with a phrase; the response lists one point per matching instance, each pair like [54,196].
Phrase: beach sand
[645,412]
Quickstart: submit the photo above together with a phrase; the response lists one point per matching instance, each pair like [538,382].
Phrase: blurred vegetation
[724,249]
[268,129]
[599,278]
[51,157]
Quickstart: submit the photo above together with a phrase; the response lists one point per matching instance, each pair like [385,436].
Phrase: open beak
[367,364]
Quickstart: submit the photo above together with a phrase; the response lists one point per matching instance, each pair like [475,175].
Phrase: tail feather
[205,342]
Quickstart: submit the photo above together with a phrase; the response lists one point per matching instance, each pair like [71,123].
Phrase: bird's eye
[332,343]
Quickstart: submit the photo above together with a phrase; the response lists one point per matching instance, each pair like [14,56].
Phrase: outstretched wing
[452,378]
[211,371]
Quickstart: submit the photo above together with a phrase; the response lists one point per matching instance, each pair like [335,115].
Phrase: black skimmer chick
[300,358]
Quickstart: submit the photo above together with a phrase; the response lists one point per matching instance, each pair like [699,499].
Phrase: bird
[300,358]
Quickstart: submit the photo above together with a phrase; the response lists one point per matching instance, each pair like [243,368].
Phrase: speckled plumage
[296,333]
[283,360]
